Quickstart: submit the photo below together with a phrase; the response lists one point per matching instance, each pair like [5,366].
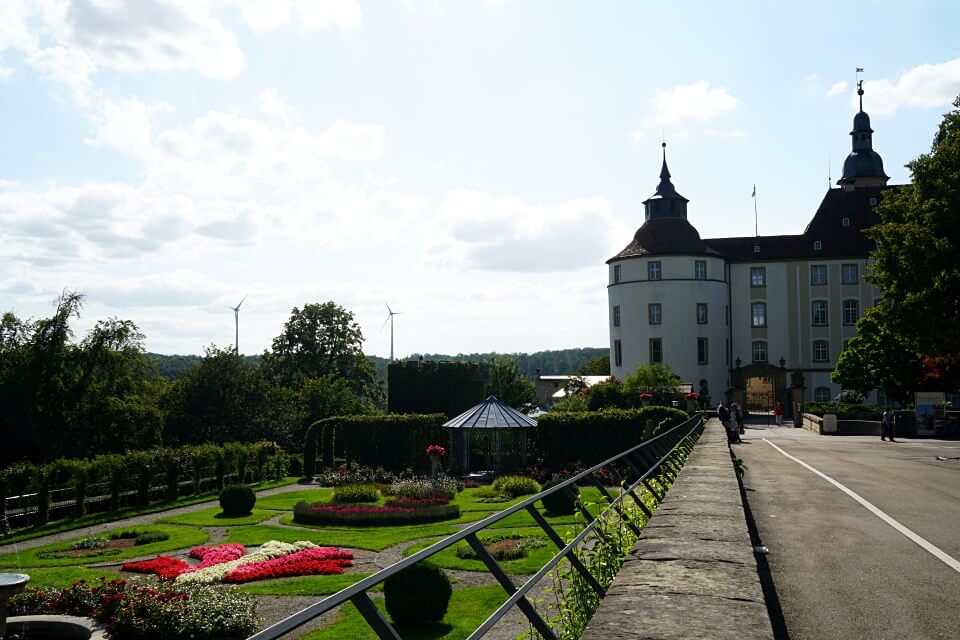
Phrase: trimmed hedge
[394,442]
[418,595]
[563,502]
[323,513]
[237,500]
[593,436]
[845,411]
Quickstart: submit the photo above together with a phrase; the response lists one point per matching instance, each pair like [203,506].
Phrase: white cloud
[812,77]
[72,67]
[311,15]
[837,88]
[924,86]
[727,133]
[506,233]
[271,104]
[697,102]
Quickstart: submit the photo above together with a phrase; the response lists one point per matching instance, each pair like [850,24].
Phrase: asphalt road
[839,570]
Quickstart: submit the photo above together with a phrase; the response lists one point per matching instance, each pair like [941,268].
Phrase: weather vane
[860,86]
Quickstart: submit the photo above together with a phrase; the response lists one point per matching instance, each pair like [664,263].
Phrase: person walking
[778,414]
[738,416]
[886,425]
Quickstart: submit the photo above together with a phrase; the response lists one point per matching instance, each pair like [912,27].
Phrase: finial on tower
[860,86]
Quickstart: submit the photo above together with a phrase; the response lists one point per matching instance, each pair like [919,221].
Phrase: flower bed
[325,513]
[272,559]
[131,612]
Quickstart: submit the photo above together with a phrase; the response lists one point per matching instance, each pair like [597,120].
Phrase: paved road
[839,569]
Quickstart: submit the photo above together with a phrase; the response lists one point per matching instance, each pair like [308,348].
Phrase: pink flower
[309,562]
[210,556]
[436,450]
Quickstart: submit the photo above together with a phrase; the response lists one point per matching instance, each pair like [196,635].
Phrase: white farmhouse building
[739,314]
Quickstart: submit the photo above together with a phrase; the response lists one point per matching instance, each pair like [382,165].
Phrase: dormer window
[817,245]
[845,222]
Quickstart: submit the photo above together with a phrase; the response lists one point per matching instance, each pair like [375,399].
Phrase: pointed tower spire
[665,202]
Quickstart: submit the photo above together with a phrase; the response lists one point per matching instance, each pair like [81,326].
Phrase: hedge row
[845,411]
[394,442]
[365,516]
[593,436]
[138,471]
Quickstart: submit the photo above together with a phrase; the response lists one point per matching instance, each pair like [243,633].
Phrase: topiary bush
[418,595]
[356,493]
[562,502]
[237,500]
[515,486]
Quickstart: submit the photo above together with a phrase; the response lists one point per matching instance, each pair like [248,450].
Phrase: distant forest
[561,361]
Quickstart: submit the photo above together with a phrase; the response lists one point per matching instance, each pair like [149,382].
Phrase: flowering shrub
[515,486]
[436,450]
[356,493]
[325,513]
[268,550]
[416,502]
[131,612]
[309,562]
[417,488]
[354,473]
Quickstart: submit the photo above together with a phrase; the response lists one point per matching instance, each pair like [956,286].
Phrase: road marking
[932,549]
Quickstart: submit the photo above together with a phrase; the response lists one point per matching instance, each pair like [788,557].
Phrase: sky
[472,162]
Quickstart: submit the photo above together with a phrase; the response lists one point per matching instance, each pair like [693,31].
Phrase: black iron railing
[632,469]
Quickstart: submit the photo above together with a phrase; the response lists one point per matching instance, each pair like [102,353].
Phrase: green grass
[63,577]
[285,501]
[468,609]
[304,585]
[530,564]
[372,538]
[69,524]
[214,518]
[180,537]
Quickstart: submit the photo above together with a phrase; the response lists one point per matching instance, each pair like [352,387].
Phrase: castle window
[759,351]
[701,313]
[818,274]
[873,202]
[817,245]
[819,313]
[851,311]
[821,394]
[850,274]
[653,270]
[616,315]
[700,269]
[758,276]
[616,274]
[702,350]
[617,354]
[656,351]
[845,222]
[758,314]
[653,311]
[821,351]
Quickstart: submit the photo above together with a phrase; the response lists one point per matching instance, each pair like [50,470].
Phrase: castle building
[755,319]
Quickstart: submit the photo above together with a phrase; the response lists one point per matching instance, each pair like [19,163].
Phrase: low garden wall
[692,573]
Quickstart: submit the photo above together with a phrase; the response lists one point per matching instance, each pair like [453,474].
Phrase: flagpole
[756,224]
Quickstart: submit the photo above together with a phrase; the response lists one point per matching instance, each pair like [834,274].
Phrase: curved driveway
[839,569]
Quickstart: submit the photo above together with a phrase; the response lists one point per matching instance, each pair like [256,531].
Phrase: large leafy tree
[226,399]
[318,341]
[915,263]
[510,386]
[878,358]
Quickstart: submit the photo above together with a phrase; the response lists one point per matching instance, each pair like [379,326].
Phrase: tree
[599,366]
[510,386]
[915,263]
[652,378]
[878,358]
[225,399]
[322,340]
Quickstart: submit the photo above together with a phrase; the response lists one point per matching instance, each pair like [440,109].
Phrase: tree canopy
[916,262]
[510,386]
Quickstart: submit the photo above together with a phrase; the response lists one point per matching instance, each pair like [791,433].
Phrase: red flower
[309,562]
[436,450]
[163,567]
[646,396]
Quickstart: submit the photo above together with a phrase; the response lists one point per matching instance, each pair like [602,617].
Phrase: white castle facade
[737,315]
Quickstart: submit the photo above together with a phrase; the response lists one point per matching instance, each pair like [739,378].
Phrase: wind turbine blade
[241,302]
[388,307]
[385,322]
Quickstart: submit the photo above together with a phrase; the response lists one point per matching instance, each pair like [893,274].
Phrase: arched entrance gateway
[759,386]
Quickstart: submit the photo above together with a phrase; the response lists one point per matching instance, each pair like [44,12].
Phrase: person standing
[736,426]
[886,425]
[778,413]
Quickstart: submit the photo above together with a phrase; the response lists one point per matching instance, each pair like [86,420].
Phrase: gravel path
[145,519]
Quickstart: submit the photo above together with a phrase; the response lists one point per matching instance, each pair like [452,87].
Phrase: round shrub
[351,493]
[237,500]
[515,486]
[417,595]
[560,502]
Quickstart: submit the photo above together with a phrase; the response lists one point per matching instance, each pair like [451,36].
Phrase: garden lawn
[63,577]
[180,538]
[372,538]
[533,562]
[215,518]
[468,609]
[69,524]
[285,501]
[304,585]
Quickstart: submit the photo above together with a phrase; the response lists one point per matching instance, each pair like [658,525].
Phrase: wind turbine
[390,314]
[236,325]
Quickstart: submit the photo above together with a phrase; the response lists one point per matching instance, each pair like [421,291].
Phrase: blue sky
[473,162]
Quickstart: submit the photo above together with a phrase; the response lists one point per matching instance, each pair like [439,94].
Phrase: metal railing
[632,468]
